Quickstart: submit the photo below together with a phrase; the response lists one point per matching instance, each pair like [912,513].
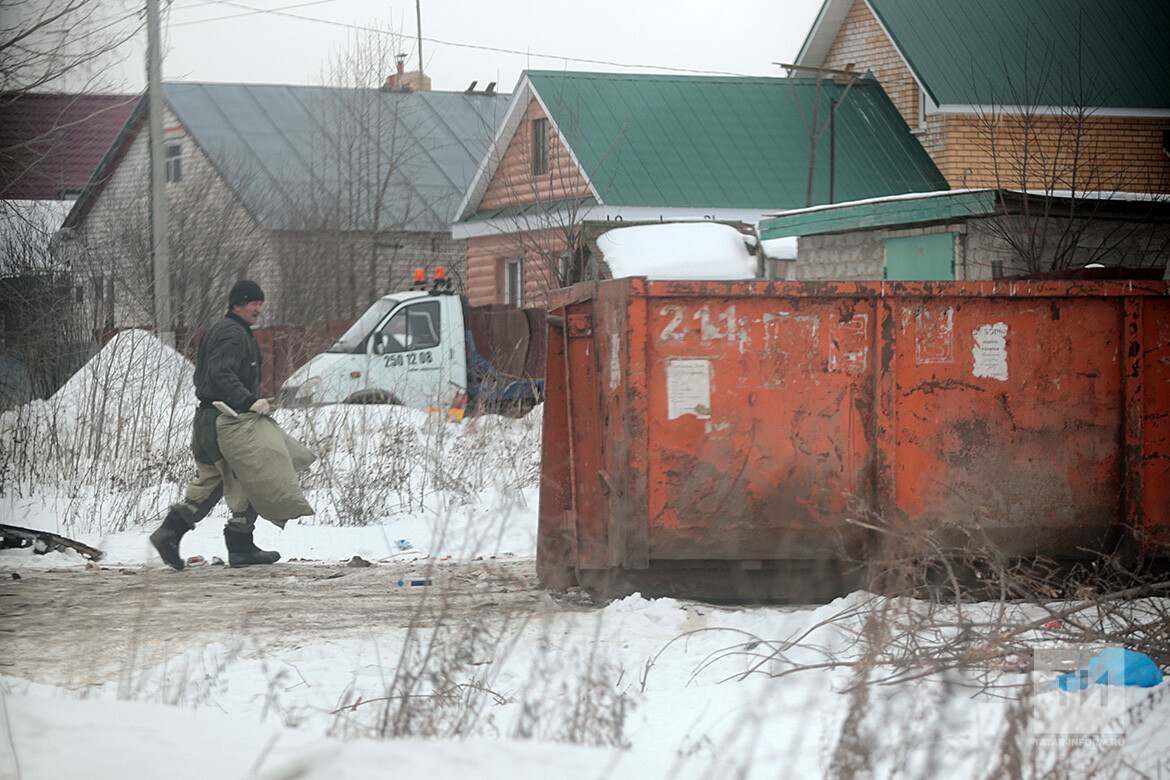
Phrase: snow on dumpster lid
[680,250]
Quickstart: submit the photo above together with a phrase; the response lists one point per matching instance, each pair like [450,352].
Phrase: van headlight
[303,394]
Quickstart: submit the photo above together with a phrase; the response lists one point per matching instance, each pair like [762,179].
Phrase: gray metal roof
[294,155]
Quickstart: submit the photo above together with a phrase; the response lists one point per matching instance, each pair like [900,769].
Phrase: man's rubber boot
[166,538]
[242,551]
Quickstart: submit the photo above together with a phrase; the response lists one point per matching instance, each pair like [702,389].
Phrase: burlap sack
[265,460]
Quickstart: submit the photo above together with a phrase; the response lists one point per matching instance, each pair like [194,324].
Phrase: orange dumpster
[700,433]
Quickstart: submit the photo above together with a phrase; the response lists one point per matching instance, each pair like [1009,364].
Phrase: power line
[251,12]
[363,28]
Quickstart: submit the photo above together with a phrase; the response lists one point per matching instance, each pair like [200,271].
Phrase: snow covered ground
[641,688]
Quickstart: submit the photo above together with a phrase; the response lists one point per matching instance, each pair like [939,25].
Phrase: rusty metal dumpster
[698,431]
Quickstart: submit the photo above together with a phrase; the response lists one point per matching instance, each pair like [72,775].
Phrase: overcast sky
[290,41]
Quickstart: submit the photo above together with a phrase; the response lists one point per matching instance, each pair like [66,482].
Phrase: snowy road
[93,625]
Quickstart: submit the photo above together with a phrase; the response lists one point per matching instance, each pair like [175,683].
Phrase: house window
[174,162]
[923,98]
[514,282]
[539,147]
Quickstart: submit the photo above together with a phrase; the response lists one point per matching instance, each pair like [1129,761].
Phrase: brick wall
[307,275]
[213,241]
[1042,152]
[862,45]
[858,257]
[333,274]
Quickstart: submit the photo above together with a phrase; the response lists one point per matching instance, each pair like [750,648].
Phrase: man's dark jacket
[227,367]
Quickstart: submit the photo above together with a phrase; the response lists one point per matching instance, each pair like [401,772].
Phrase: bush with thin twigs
[444,681]
[113,445]
[971,632]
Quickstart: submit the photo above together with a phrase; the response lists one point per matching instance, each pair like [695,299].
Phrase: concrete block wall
[858,256]
[986,248]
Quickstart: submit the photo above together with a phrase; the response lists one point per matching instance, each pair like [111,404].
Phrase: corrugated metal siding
[694,142]
[51,144]
[1094,53]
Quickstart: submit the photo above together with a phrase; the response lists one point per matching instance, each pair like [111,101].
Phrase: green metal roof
[1093,53]
[957,205]
[880,213]
[696,141]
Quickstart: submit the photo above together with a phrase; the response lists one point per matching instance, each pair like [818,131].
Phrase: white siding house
[327,197]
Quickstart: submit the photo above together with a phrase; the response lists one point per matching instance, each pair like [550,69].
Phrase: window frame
[173,161]
[514,281]
[408,339]
[540,146]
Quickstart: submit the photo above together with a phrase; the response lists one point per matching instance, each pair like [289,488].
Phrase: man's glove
[261,406]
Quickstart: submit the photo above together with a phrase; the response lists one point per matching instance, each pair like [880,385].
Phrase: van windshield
[354,339]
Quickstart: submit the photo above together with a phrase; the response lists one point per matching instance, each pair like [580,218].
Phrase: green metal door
[921,258]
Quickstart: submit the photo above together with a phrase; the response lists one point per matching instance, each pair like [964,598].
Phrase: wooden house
[577,147]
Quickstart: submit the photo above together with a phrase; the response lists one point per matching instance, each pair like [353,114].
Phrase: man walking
[227,369]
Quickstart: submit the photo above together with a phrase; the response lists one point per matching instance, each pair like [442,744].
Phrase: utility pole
[418,21]
[816,129]
[160,253]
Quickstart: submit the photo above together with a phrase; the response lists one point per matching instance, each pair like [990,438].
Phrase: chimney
[397,82]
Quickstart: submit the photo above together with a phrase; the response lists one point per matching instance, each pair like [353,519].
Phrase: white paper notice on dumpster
[990,351]
[688,387]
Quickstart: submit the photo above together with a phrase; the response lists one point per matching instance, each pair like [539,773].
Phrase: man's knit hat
[245,291]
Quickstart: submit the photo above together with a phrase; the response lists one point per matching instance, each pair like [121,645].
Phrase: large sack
[265,460]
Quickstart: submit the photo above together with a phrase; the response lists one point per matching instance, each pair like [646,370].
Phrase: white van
[417,348]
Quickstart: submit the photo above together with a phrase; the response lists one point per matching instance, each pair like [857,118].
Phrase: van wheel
[374,397]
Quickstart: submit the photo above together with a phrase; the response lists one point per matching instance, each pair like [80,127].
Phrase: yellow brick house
[1031,95]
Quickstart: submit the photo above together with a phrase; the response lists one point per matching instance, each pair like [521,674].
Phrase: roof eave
[953,206]
[939,206]
[601,213]
[522,95]
[1096,111]
[105,168]
[824,31]
[491,160]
